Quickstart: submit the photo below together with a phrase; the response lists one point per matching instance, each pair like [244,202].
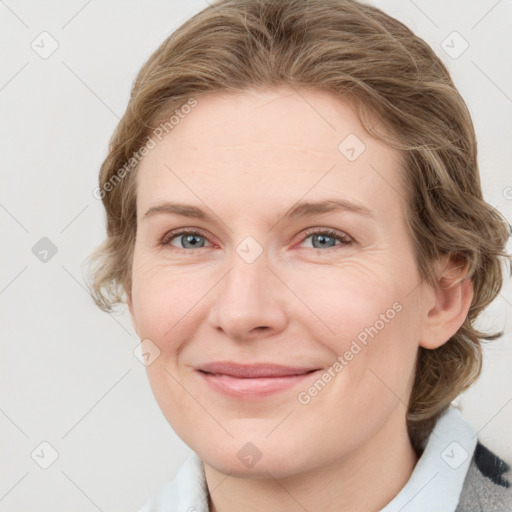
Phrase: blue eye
[327,238]
[187,239]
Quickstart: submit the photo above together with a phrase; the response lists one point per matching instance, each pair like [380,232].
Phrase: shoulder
[487,486]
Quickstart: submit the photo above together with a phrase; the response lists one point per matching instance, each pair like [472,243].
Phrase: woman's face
[262,276]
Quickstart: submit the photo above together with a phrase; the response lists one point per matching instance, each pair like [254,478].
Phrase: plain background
[68,373]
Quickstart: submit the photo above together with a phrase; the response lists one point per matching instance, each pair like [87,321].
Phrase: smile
[252,381]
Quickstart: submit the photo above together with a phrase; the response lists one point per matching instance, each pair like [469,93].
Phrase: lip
[252,381]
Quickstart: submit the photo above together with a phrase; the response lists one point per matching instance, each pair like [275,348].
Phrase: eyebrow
[301,209]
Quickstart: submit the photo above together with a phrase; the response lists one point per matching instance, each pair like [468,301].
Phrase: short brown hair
[386,73]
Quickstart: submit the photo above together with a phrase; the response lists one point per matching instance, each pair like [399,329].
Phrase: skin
[246,159]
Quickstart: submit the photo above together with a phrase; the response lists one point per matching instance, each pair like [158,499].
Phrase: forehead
[269,147]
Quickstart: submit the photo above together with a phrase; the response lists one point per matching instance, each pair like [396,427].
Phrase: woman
[295,220]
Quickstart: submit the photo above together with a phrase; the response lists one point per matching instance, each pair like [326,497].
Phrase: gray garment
[487,486]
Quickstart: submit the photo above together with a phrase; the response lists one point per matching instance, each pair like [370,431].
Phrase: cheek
[166,300]
[342,301]
[367,315]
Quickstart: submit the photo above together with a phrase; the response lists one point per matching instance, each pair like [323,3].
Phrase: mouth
[252,381]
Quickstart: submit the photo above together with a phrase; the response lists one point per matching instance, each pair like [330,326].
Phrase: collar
[435,483]
[188,491]
[439,474]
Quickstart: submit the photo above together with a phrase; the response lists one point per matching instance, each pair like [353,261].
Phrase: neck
[366,479]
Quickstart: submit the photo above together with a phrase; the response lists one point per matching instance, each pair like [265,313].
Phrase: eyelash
[338,235]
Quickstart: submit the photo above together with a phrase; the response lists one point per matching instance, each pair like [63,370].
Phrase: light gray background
[68,374]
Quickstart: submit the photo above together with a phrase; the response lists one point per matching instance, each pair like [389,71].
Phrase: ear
[451,298]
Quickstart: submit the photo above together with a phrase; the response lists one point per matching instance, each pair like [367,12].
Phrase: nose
[249,302]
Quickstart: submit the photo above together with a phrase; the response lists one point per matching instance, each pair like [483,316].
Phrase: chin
[255,460]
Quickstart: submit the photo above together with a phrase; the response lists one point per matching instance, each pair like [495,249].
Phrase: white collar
[438,477]
[435,484]
[188,491]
